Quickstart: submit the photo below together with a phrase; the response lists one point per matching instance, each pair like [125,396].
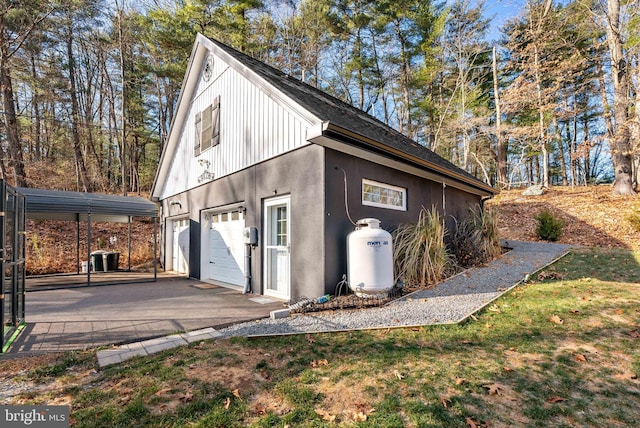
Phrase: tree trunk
[83,179]
[14,145]
[541,127]
[621,143]
[502,149]
[563,165]
[37,145]
[123,124]
[605,101]
[406,77]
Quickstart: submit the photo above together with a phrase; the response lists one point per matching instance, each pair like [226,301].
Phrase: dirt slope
[593,217]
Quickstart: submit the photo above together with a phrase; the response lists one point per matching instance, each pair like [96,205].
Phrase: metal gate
[12,259]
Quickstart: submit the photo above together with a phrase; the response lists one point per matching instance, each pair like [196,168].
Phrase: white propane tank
[370,259]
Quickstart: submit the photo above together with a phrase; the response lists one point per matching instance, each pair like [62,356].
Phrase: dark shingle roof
[345,116]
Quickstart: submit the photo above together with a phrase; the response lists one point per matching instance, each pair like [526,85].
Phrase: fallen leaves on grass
[635,334]
[162,392]
[445,400]
[551,274]
[472,423]
[494,389]
[580,358]
[357,416]
[494,308]
[556,320]
[317,363]
[326,416]
[626,376]
[397,374]
[310,338]
[227,403]
[556,399]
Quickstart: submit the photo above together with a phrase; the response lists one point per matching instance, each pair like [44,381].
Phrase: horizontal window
[382,195]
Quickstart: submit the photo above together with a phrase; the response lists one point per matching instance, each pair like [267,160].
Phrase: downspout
[444,199]
[484,199]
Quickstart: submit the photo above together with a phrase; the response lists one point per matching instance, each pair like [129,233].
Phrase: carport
[91,207]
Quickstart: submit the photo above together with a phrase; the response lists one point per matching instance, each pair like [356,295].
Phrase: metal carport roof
[42,204]
[79,206]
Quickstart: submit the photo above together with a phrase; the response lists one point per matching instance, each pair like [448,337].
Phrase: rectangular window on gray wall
[383,195]
[207,127]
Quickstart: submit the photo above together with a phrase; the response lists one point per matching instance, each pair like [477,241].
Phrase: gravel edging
[450,302]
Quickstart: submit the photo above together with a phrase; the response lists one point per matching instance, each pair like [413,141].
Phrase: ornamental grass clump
[549,226]
[419,253]
[475,238]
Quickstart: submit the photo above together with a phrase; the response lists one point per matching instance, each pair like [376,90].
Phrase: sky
[500,11]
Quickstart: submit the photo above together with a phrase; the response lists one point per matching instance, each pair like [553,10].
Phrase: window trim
[402,190]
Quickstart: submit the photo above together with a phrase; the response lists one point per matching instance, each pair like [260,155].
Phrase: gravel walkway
[451,301]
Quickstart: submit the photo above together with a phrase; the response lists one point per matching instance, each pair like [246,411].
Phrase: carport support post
[89,247]
[78,244]
[129,245]
[155,247]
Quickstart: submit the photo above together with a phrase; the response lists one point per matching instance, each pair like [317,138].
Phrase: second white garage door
[226,247]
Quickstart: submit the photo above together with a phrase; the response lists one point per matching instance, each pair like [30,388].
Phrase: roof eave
[326,129]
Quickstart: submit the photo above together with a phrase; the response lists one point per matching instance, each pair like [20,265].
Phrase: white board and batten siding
[254,127]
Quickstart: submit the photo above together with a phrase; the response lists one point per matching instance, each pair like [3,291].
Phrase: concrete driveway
[87,317]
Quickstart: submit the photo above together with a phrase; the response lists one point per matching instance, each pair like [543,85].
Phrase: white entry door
[277,248]
[180,255]
[226,247]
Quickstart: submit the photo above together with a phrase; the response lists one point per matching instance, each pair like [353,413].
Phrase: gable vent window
[207,127]
[382,195]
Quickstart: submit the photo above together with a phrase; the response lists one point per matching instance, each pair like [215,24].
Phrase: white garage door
[226,247]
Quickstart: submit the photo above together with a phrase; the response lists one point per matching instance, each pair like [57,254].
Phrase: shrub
[549,226]
[419,253]
[634,220]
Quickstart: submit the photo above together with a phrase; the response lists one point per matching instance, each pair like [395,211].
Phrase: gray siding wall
[300,174]
[319,224]
[420,192]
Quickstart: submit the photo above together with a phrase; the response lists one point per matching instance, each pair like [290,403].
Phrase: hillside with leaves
[592,216]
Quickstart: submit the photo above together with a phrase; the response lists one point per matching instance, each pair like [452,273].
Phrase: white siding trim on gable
[253,128]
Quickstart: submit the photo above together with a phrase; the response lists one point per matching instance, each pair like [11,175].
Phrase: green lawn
[561,350]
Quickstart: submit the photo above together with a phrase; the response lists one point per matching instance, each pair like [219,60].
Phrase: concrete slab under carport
[86,317]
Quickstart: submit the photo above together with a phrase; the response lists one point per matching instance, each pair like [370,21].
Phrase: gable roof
[339,120]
